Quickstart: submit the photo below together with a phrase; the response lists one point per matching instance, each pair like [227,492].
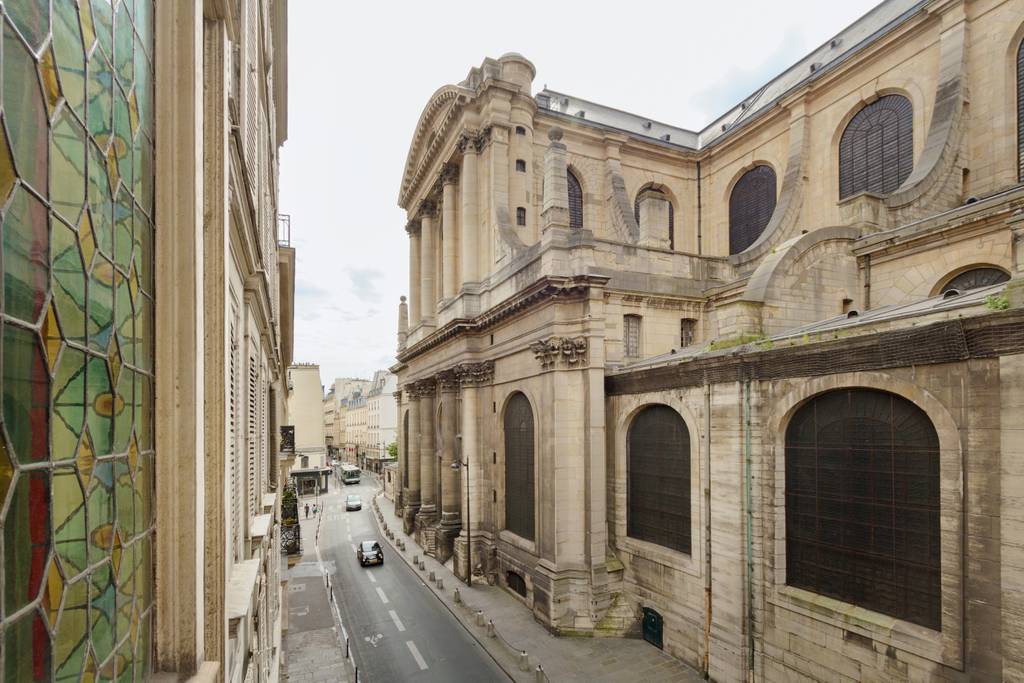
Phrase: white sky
[360,74]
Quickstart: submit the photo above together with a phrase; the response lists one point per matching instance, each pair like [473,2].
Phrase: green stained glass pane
[100,406]
[101,304]
[144,413]
[122,145]
[144,482]
[125,319]
[101,98]
[101,511]
[144,250]
[123,668]
[24,111]
[68,282]
[67,44]
[101,201]
[123,241]
[125,500]
[27,646]
[144,648]
[103,21]
[144,570]
[124,42]
[144,24]
[68,404]
[67,167]
[143,178]
[70,642]
[32,17]
[26,252]
[26,394]
[69,536]
[143,332]
[123,403]
[125,585]
[144,90]
[101,611]
[26,535]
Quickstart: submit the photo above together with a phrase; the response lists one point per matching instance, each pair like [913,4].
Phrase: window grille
[862,503]
[975,278]
[521,165]
[575,201]
[658,474]
[876,152]
[631,336]
[520,216]
[687,328]
[519,514]
[751,205]
[520,130]
[516,582]
[671,213]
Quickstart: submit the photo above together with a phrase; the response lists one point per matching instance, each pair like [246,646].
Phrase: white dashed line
[398,622]
[370,576]
[383,598]
[416,655]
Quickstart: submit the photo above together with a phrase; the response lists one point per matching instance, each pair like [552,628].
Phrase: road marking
[370,576]
[416,655]
[398,622]
[383,598]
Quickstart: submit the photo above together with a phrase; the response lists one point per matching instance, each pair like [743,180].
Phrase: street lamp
[457,465]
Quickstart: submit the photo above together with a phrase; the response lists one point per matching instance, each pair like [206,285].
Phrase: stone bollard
[457,597]
[541,676]
[432,577]
[416,559]
[440,583]
[423,566]
[524,661]
[490,628]
[479,617]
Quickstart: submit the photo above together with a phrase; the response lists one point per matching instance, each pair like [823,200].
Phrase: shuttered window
[751,206]
[519,454]
[976,277]
[1020,112]
[658,474]
[876,152]
[671,213]
[862,503]
[250,82]
[253,435]
[631,336]
[575,201]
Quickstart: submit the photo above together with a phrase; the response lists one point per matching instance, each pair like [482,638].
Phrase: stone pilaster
[411,478]
[449,269]
[451,522]
[471,377]
[427,514]
[555,210]
[415,307]
[403,454]
[428,301]
[469,227]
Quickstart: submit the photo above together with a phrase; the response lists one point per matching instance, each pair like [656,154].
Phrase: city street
[398,629]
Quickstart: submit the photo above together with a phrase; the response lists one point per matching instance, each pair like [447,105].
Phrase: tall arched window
[671,213]
[1020,112]
[876,152]
[575,201]
[751,206]
[658,475]
[405,450]
[519,516]
[862,503]
[975,278]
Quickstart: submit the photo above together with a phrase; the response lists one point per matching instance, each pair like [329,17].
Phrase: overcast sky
[360,74]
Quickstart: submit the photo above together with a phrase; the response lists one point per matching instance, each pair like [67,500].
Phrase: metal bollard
[524,661]
[457,597]
[346,648]
[541,678]
[479,617]
[440,583]
[490,628]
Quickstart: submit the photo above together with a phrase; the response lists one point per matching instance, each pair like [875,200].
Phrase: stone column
[449,451]
[449,272]
[403,455]
[471,377]
[555,209]
[411,477]
[428,303]
[414,274]
[470,223]
[428,455]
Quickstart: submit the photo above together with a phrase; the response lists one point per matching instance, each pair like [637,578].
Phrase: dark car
[370,552]
[353,502]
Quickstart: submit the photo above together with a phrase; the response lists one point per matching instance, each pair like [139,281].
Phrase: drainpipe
[867,282]
[698,210]
[748,486]
[706,467]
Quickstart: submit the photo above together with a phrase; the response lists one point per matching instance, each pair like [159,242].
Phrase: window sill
[517,541]
[902,635]
[659,554]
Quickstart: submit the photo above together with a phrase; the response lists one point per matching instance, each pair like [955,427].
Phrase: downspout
[699,237]
[748,486]
[706,467]
[867,282]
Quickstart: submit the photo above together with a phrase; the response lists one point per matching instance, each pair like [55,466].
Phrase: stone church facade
[751,392]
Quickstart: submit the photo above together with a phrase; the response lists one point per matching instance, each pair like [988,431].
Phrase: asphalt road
[399,630]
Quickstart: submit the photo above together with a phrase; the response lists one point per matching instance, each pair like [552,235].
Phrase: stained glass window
[876,152]
[976,277]
[658,472]
[751,205]
[575,201]
[519,515]
[862,503]
[76,233]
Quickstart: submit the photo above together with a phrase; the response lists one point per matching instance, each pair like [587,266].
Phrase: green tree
[393,450]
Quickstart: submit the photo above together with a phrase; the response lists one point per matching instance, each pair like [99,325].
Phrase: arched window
[671,213]
[575,201]
[751,205]
[519,467]
[521,215]
[862,503]
[658,475]
[975,278]
[405,450]
[876,152]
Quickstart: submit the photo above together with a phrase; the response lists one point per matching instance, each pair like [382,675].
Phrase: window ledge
[240,589]
[659,554]
[517,541]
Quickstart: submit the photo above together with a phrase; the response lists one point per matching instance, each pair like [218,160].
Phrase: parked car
[353,502]
[370,552]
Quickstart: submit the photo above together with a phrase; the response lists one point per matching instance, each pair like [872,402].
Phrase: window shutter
[252,410]
[236,473]
[251,80]
[751,205]
[876,152]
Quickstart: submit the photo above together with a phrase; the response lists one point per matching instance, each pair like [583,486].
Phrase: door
[652,627]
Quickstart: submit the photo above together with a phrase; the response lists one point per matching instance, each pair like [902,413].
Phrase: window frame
[575,204]
[764,207]
[521,216]
[628,317]
[534,517]
[849,166]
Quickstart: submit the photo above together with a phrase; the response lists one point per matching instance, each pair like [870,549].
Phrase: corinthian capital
[475,374]
[449,174]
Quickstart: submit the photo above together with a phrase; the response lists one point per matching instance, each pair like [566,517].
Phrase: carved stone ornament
[475,374]
[560,350]
[422,388]
[447,380]
[449,174]
[427,207]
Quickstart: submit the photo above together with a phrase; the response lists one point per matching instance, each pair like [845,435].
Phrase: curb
[509,669]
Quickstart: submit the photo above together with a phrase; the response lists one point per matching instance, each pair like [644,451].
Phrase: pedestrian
[314,509]
[307,510]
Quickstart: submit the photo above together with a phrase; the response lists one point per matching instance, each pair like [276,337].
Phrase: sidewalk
[314,651]
[560,658]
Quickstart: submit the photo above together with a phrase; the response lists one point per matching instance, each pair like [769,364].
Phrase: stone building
[381,418]
[147,321]
[343,390]
[311,470]
[751,391]
[330,422]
